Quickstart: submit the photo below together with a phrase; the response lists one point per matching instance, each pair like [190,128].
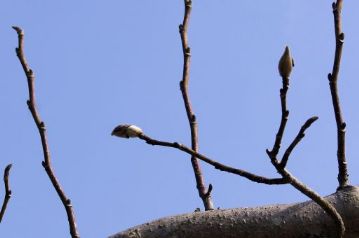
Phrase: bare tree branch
[42,131]
[324,204]
[217,165]
[297,139]
[280,166]
[333,79]
[284,118]
[7,195]
[204,194]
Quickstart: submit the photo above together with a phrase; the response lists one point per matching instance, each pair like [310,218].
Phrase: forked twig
[46,163]
[280,166]
[205,194]
[7,195]
[333,79]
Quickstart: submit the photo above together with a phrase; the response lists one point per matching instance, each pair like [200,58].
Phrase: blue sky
[102,63]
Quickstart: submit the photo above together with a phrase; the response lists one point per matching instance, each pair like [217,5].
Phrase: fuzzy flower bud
[286,64]
[126,131]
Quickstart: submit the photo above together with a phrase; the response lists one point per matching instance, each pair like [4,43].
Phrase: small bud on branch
[286,64]
[127,131]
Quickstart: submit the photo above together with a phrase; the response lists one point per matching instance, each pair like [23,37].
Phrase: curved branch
[217,165]
[333,79]
[324,204]
[297,220]
[7,191]
[42,131]
[297,139]
[204,193]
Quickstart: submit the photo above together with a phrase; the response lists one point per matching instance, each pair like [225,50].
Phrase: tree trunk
[299,220]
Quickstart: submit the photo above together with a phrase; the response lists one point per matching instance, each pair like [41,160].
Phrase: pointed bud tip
[285,64]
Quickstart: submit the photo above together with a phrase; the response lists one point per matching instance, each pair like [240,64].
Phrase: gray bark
[299,220]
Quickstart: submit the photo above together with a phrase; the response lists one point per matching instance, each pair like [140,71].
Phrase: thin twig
[333,79]
[217,165]
[325,205]
[42,131]
[297,139]
[204,194]
[284,118]
[7,191]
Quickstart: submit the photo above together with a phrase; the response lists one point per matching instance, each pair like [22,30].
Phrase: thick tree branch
[7,195]
[300,220]
[42,131]
[217,165]
[204,193]
[333,79]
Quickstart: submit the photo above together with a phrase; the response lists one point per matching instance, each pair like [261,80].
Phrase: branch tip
[8,192]
[343,126]
[209,190]
[7,170]
[341,36]
[18,30]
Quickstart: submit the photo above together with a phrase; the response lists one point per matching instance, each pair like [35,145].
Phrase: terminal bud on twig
[127,131]
[286,64]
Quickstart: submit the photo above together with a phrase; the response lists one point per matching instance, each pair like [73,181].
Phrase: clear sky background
[102,63]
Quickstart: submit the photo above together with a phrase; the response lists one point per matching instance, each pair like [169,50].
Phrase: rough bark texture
[300,220]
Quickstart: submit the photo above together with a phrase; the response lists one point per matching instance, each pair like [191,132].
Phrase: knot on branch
[343,126]
[45,165]
[187,52]
[209,190]
[18,30]
[188,3]
[341,37]
[42,126]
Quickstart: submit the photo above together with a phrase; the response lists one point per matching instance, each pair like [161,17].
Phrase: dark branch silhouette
[205,194]
[7,195]
[333,79]
[217,165]
[285,68]
[297,139]
[46,163]
[284,118]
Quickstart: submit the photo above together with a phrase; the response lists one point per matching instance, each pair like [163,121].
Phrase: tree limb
[298,138]
[284,117]
[46,163]
[7,195]
[333,79]
[299,220]
[217,165]
[204,193]
[280,166]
